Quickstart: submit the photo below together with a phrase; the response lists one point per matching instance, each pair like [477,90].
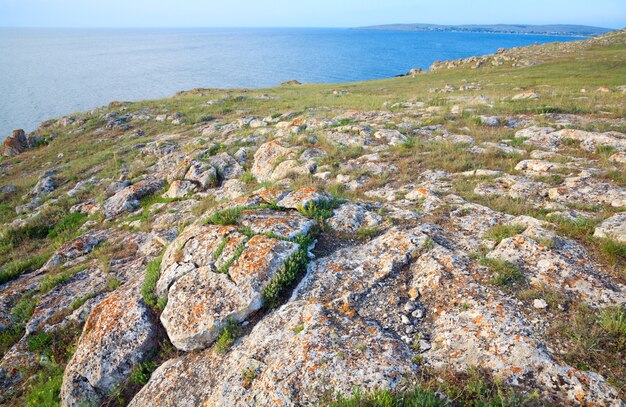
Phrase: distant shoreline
[521,29]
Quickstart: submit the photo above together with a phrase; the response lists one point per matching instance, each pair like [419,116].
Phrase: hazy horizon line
[301,26]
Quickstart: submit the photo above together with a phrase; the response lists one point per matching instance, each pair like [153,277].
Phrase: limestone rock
[180,189]
[118,334]
[296,354]
[201,301]
[349,218]
[128,198]
[613,228]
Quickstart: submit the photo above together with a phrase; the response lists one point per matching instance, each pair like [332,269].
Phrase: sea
[49,73]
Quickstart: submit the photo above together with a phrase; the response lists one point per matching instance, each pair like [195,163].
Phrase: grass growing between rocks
[503,273]
[294,267]
[501,232]
[153,272]
[53,350]
[594,340]
[475,388]
[227,337]
[386,398]
[227,217]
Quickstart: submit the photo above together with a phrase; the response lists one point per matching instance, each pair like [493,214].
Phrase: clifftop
[452,238]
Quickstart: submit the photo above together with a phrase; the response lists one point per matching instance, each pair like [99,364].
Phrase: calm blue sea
[47,73]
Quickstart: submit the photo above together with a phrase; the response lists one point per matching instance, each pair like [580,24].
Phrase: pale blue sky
[305,13]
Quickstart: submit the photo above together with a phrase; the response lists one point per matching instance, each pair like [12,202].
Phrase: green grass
[16,268]
[66,228]
[20,314]
[141,372]
[320,211]
[500,232]
[44,391]
[227,336]
[385,398]
[153,272]
[613,321]
[227,217]
[39,341]
[294,266]
[503,273]
[224,268]
[367,233]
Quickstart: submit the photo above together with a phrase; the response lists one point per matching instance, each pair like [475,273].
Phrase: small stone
[418,313]
[409,306]
[424,345]
[405,320]
[540,303]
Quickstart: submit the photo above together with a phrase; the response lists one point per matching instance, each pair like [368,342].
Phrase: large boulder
[118,334]
[202,301]
[127,199]
[19,142]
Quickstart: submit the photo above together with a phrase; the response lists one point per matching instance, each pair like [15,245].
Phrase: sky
[306,13]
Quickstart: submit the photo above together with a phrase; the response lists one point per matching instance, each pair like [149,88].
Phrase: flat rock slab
[353,271]
[586,190]
[286,225]
[566,268]
[349,218]
[296,354]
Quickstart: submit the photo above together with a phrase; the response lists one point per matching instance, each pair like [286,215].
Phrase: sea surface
[48,73]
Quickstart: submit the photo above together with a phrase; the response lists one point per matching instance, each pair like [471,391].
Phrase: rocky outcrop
[127,200]
[613,228]
[118,334]
[19,142]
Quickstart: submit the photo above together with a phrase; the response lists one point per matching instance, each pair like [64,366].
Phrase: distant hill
[554,29]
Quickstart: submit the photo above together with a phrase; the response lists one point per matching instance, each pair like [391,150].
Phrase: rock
[292,82]
[76,248]
[285,225]
[537,166]
[565,268]
[204,175]
[540,303]
[414,72]
[311,337]
[118,334]
[613,228]
[116,186]
[619,157]
[349,218]
[491,121]
[392,137]
[19,142]
[588,190]
[202,301]
[226,166]
[128,198]
[266,158]
[180,189]
[530,95]
[303,198]
[510,350]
